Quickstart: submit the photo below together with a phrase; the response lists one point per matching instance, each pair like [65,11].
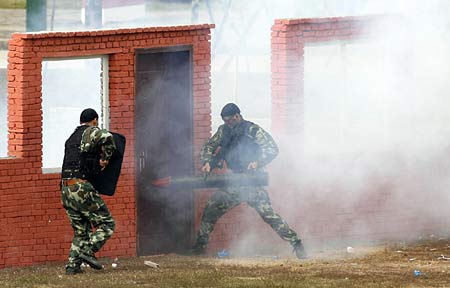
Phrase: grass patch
[389,266]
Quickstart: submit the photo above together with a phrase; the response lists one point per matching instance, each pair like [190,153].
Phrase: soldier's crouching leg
[219,203]
[103,231]
[259,200]
[100,217]
[82,229]
[80,224]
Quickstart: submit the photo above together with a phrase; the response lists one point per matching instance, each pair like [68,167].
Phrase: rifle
[259,178]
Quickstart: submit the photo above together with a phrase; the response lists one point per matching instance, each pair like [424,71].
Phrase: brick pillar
[24,102]
[287,79]
[289,37]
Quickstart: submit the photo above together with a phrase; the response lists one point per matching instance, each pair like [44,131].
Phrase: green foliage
[13,4]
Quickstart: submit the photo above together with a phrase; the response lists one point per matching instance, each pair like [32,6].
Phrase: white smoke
[376,143]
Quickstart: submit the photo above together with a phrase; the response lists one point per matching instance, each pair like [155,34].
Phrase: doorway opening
[164,147]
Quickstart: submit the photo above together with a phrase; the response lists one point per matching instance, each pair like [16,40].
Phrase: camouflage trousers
[257,197]
[86,210]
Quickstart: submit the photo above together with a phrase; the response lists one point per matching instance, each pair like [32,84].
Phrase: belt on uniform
[72,181]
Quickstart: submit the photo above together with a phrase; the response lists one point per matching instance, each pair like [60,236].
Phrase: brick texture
[33,224]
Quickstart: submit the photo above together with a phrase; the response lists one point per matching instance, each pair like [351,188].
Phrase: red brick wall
[33,224]
[376,213]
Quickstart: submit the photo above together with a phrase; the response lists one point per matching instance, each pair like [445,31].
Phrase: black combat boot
[299,250]
[74,270]
[90,260]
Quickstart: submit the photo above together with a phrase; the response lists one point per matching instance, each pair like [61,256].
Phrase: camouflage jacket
[268,147]
[94,137]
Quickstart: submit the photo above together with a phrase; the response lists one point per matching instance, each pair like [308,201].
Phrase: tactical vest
[76,164]
[240,146]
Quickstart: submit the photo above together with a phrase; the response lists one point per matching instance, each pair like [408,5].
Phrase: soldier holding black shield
[87,152]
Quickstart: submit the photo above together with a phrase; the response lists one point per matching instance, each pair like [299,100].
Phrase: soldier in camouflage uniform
[87,151]
[243,146]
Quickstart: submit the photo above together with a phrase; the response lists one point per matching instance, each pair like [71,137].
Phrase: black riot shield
[105,182]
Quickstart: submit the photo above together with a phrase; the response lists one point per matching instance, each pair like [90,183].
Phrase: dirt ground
[422,264]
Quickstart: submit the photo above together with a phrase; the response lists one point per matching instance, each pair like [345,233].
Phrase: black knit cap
[88,115]
[229,110]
